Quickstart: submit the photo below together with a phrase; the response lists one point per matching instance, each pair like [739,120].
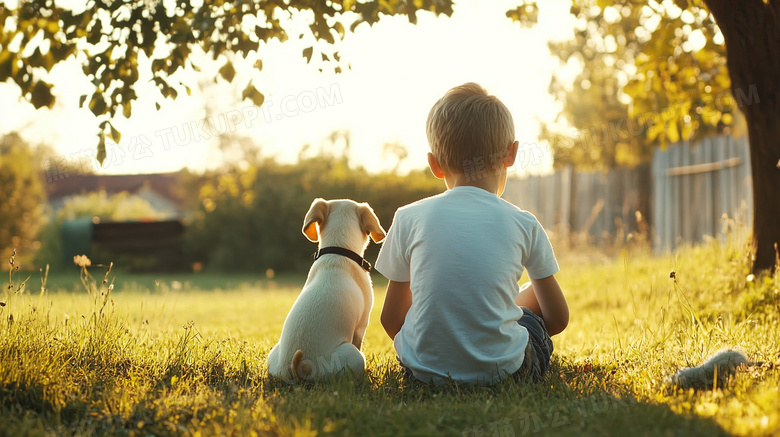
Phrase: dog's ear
[318,212]
[369,223]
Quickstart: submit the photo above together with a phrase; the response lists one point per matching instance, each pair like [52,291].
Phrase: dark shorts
[539,348]
[537,352]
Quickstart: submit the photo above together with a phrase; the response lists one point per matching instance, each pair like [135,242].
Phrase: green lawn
[184,355]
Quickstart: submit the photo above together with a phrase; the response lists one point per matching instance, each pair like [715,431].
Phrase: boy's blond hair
[468,126]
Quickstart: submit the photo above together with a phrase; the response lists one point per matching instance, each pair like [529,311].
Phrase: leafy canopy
[651,73]
[116,41]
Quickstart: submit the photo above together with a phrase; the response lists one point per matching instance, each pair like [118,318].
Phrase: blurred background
[629,135]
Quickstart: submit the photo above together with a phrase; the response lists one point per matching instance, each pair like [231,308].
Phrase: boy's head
[469,123]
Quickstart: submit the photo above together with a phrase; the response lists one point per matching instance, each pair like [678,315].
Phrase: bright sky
[398,71]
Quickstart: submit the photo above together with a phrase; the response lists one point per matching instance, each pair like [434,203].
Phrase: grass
[185,355]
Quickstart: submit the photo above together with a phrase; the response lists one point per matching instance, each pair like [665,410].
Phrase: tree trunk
[751,29]
[764,132]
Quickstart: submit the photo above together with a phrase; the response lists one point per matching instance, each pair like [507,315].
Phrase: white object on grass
[715,369]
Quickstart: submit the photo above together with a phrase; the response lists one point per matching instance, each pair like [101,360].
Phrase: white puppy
[324,330]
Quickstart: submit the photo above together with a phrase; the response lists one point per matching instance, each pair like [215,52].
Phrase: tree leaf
[101,149]
[672,134]
[355,24]
[41,95]
[97,105]
[604,3]
[526,14]
[158,64]
[95,33]
[339,29]
[228,72]
[116,136]
[251,93]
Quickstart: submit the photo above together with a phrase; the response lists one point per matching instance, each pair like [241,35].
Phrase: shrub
[249,218]
[21,196]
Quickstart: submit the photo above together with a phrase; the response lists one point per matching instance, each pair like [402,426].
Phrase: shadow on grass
[385,402]
[568,401]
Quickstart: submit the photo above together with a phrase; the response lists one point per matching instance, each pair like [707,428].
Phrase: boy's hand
[398,300]
[545,298]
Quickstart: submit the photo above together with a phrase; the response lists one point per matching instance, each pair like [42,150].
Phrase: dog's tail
[298,368]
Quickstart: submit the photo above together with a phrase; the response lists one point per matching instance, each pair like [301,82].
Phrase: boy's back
[453,306]
[463,252]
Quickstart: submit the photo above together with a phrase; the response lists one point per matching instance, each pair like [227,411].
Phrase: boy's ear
[369,223]
[511,154]
[318,212]
[434,165]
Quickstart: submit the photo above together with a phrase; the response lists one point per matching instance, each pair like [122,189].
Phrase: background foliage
[246,216]
[21,195]
[651,73]
[249,216]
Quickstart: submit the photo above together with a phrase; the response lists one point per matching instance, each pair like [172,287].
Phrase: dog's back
[324,329]
[322,317]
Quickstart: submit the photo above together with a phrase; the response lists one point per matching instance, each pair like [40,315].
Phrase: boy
[453,306]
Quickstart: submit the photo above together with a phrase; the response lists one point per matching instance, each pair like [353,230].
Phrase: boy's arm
[397,302]
[545,298]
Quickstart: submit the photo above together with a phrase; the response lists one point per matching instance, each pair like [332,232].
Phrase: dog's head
[343,223]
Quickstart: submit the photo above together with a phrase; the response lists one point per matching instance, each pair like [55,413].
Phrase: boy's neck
[491,183]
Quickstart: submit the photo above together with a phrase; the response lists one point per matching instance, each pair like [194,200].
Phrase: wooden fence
[585,207]
[695,185]
[681,197]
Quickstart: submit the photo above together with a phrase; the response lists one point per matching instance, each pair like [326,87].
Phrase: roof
[164,184]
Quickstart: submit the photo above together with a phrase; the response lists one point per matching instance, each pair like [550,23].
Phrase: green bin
[76,238]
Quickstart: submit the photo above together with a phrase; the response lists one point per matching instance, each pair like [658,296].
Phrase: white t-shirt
[463,252]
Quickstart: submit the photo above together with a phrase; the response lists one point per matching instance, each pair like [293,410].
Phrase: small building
[147,244]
